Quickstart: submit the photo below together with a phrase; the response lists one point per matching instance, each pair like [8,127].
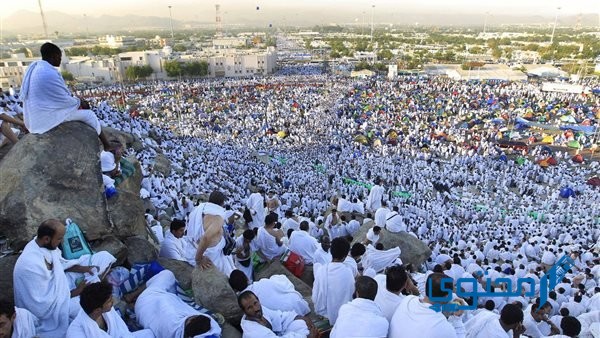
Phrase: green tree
[308,44]
[385,54]
[173,68]
[138,72]
[497,53]
[195,68]
[67,75]
[179,48]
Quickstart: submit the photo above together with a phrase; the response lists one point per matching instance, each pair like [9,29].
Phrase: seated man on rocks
[16,322]
[6,132]
[261,322]
[159,309]
[276,292]
[47,100]
[172,245]
[98,318]
[46,284]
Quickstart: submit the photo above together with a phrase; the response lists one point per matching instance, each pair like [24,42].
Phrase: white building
[12,70]
[242,63]
[118,41]
[227,43]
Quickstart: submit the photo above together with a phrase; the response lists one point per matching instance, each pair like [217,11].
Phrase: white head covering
[440,259]
[107,161]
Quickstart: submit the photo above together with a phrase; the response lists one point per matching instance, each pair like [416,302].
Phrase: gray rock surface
[114,246]
[53,175]
[7,266]
[181,270]
[413,250]
[162,164]
[212,290]
[140,250]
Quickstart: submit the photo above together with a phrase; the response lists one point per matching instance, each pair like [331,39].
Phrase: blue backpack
[74,244]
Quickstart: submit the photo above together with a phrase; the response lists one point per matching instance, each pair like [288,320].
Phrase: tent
[548,139]
[573,144]
[594,181]
[567,192]
[362,139]
[577,158]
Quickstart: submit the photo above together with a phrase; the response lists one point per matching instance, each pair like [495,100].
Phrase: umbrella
[573,144]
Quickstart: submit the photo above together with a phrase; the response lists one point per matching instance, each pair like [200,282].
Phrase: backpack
[74,244]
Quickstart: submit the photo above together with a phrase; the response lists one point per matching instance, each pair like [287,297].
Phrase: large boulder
[212,290]
[140,250]
[7,266]
[124,138]
[53,175]
[413,250]
[162,165]
[182,271]
[126,209]
[114,246]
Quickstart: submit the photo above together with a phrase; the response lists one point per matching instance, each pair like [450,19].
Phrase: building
[12,70]
[228,43]
[486,72]
[112,41]
[242,63]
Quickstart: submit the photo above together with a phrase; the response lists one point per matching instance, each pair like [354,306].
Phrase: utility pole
[554,27]
[43,19]
[171,21]
[372,14]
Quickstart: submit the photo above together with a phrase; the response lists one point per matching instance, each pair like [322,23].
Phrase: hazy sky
[203,10]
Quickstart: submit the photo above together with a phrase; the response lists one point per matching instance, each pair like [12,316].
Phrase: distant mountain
[27,22]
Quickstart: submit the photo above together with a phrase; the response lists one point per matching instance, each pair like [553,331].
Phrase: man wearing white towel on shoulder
[42,285]
[16,322]
[98,318]
[361,317]
[261,322]
[47,100]
[210,247]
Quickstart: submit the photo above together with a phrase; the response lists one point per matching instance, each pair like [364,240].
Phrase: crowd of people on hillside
[299,164]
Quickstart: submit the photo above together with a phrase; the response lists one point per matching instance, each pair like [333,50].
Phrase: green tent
[573,144]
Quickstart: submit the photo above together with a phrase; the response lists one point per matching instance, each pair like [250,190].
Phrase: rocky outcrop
[181,270]
[7,266]
[414,251]
[124,138]
[57,175]
[212,290]
[114,246]
[53,175]
[140,250]
[162,165]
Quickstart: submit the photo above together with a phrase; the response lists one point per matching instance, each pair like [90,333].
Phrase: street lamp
[372,13]
[554,27]
[171,21]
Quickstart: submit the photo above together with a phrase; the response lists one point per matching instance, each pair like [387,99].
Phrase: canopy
[548,139]
[594,181]
[573,144]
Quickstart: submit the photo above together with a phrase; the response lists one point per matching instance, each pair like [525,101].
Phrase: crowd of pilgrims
[414,154]
[295,138]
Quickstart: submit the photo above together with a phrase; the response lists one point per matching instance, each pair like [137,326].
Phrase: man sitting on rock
[16,322]
[172,245]
[98,318]
[45,283]
[159,309]
[276,292]
[47,100]
[260,322]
